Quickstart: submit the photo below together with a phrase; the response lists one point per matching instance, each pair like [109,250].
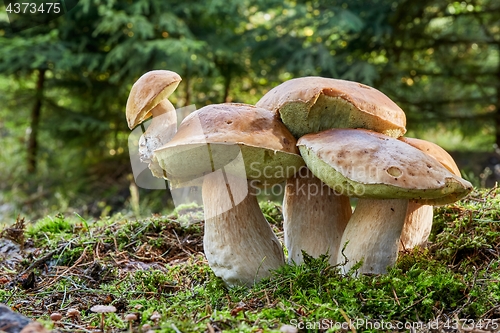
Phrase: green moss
[54,225]
[272,212]
[135,265]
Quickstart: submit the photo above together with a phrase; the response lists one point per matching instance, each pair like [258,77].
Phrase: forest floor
[155,267]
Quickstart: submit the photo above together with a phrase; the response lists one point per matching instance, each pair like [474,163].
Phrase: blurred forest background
[64,85]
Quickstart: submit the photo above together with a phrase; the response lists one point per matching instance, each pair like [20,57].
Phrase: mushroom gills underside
[450,190]
[332,112]
[263,166]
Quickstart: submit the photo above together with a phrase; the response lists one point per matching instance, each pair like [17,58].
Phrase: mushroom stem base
[373,233]
[239,243]
[314,217]
[417,227]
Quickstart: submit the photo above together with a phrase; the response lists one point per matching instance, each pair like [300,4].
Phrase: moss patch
[156,265]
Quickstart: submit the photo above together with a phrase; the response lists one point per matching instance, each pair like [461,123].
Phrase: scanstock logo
[188,192]
[27,14]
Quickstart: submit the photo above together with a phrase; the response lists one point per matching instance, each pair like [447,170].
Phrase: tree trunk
[35,122]
[497,105]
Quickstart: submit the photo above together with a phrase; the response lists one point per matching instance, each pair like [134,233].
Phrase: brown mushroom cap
[149,90]
[434,151]
[313,104]
[55,316]
[367,164]
[73,313]
[215,135]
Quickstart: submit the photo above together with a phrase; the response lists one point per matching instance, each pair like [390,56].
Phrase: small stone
[33,327]
[17,323]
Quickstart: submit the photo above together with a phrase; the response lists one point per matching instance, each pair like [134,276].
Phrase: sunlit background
[64,85]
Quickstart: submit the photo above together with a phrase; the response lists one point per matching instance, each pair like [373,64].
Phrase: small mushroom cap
[55,316]
[313,104]
[219,135]
[368,164]
[103,308]
[155,316]
[72,312]
[149,90]
[434,151]
[130,317]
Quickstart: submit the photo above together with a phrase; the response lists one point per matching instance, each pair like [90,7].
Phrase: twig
[420,300]
[396,296]
[180,243]
[490,310]
[81,328]
[468,294]
[267,297]
[67,270]
[348,320]
[202,319]
[39,262]
[210,328]
[64,297]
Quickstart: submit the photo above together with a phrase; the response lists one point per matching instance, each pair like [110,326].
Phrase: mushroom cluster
[328,140]
[351,138]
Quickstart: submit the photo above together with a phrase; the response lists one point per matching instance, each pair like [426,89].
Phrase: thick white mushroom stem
[373,233]
[314,217]
[239,243]
[161,130]
[417,227]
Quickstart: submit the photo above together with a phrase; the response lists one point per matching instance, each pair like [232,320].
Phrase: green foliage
[53,225]
[188,214]
[437,59]
[153,281]
[469,231]
[272,212]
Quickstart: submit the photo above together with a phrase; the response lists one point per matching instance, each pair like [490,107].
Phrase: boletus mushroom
[384,173]
[419,217]
[314,219]
[149,98]
[234,150]
[313,104]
